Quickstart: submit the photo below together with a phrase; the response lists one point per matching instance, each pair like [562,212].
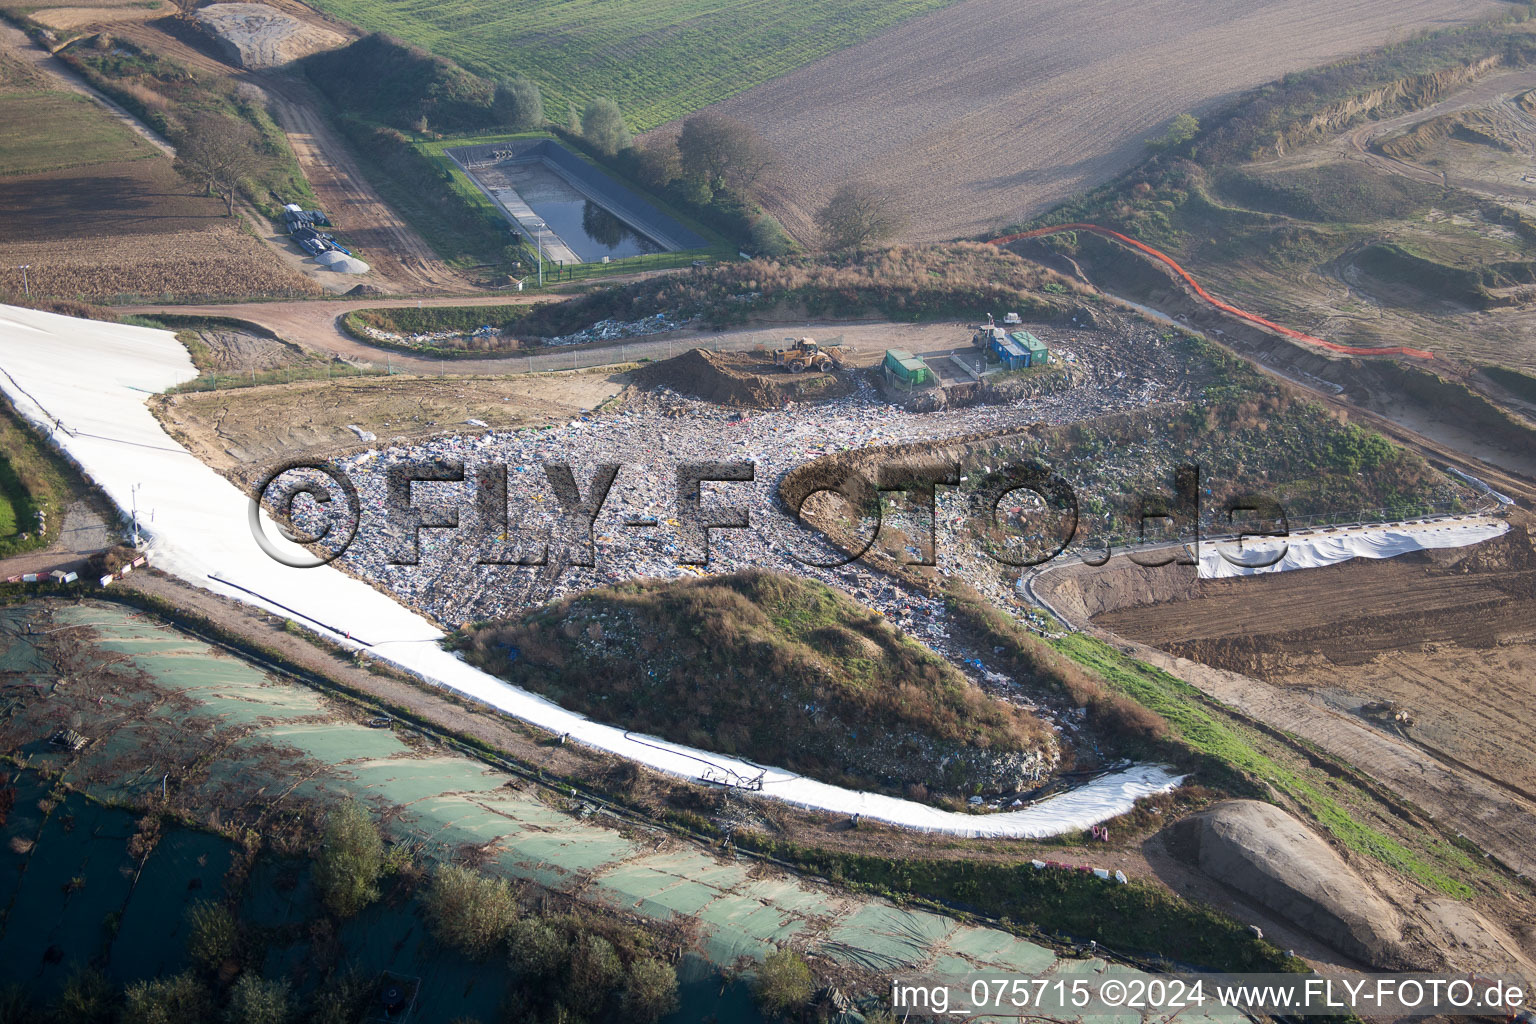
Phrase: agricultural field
[100,215]
[989,112]
[43,129]
[658,59]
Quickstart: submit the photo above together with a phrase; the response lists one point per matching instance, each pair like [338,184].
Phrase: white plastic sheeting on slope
[86,383]
[1311,550]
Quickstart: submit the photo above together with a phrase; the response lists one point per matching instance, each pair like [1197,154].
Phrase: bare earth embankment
[989,110]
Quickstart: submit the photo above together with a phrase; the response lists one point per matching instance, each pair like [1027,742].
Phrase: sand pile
[258,36]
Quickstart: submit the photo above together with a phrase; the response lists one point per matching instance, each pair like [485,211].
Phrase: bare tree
[602,124]
[219,152]
[723,152]
[858,214]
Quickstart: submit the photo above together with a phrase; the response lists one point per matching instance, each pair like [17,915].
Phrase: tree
[212,933]
[650,992]
[1180,130]
[857,214]
[657,162]
[469,911]
[181,999]
[350,861]
[519,103]
[602,124]
[784,983]
[722,151]
[219,152]
[255,1000]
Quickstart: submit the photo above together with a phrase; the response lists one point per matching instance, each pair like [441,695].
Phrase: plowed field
[989,110]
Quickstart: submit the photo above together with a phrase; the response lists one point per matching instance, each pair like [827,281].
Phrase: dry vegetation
[770,667]
[247,426]
[177,266]
[905,283]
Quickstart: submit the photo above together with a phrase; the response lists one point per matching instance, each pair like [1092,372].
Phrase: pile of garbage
[613,330]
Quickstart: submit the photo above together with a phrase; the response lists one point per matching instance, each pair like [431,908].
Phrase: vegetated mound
[259,36]
[438,329]
[1270,857]
[1331,193]
[776,669]
[741,381]
[904,283]
[387,80]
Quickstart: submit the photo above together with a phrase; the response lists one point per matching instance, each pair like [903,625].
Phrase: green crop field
[658,59]
[49,131]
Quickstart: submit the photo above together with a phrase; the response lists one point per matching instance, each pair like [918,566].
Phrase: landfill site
[606,532]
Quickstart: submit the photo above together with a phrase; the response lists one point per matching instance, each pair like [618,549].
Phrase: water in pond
[590,231]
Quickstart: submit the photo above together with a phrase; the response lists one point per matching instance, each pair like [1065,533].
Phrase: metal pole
[25,288]
[541,253]
[134,490]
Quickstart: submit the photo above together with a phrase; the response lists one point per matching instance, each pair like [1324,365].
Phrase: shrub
[650,992]
[181,999]
[342,996]
[784,983]
[255,1000]
[350,861]
[769,238]
[469,911]
[212,933]
[595,972]
[537,950]
[87,998]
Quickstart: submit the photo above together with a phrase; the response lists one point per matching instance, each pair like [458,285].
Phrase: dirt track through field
[991,110]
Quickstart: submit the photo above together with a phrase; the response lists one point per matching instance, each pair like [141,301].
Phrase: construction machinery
[804,354]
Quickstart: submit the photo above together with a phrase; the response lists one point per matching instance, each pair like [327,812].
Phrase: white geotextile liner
[1313,550]
[94,379]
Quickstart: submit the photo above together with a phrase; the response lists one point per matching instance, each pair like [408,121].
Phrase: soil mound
[742,380]
[258,36]
[1270,857]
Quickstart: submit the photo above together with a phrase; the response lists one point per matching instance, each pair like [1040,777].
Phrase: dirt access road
[983,113]
[400,258]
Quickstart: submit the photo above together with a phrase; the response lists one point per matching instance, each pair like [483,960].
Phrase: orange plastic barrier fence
[1416,353]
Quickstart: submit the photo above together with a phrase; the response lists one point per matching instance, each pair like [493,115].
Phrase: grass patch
[163,93]
[1330,194]
[450,332]
[772,668]
[659,59]
[49,131]
[32,482]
